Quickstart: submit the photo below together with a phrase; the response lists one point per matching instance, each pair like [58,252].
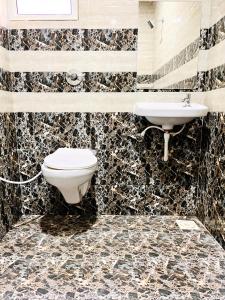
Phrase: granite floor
[110,257]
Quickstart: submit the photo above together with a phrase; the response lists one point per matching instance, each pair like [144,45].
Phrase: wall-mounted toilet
[71,171]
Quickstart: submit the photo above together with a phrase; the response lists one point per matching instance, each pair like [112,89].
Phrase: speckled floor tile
[110,257]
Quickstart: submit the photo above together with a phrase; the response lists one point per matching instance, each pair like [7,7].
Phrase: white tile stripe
[82,61]
[216,56]
[84,102]
[215,100]
[212,58]
[3,58]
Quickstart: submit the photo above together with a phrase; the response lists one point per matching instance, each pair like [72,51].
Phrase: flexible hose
[176,133]
[21,182]
[151,127]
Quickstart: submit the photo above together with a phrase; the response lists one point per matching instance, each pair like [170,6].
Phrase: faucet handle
[187,97]
[187,100]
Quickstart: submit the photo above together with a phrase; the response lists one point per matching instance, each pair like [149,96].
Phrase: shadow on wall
[66,225]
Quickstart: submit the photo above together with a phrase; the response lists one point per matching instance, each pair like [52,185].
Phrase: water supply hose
[21,182]
[151,127]
[178,132]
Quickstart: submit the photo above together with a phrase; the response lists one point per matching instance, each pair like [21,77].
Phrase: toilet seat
[71,171]
[71,159]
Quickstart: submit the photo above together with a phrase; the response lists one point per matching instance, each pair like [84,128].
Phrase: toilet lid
[71,159]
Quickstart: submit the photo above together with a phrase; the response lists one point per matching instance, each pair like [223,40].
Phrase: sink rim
[170,109]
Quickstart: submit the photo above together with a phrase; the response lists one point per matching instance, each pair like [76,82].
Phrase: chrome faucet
[187,100]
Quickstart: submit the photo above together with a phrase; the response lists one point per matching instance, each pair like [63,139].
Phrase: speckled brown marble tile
[108,39]
[4,80]
[112,82]
[57,130]
[10,200]
[110,257]
[205,38]
[4,38]
[217,77]
[44,82]
[131,177]
[217,33]
[211,205]
[72,39]
[212,79]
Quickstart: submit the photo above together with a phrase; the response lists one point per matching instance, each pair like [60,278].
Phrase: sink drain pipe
[167,134]
[166,146]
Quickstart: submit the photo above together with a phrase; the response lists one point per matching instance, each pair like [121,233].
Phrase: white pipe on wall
[166,146]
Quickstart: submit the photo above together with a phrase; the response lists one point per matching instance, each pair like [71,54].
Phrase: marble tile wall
[10,196]
[10,205]
[3,73]
[148,78]
[131,178]
[39,82]
[213,78]
[5,80]
[4,37]
[82,40]
[68,40]
[213,35]
[72,39]
[56,82]
[211,205]
[205,38]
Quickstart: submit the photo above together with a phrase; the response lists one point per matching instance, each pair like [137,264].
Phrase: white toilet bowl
[71,171]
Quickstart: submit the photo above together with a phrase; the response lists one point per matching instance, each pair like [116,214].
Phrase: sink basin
[169,114]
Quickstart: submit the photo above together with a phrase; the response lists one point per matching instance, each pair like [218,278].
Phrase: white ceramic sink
[169,114]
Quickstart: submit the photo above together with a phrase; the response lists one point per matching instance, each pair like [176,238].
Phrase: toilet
[71,171]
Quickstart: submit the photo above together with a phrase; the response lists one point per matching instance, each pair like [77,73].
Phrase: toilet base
[73,184]
[74,195]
